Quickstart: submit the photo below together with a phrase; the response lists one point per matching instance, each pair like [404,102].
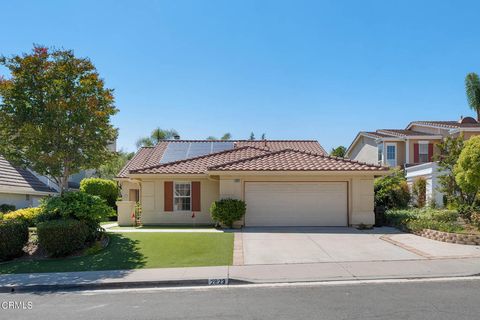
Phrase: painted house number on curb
[217,282]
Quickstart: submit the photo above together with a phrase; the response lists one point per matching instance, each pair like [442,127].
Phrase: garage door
[296,203]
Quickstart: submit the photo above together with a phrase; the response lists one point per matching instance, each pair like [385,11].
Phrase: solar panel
[176,151]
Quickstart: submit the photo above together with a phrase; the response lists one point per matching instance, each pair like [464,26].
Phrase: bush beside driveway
[140,250]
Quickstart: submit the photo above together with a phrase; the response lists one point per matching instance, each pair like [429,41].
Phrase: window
[182,196]
[423,152]
[392,155]
[380,153]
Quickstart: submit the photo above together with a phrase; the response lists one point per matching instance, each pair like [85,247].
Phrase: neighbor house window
[423,152]
[380,153]
[392,155]
[182,196]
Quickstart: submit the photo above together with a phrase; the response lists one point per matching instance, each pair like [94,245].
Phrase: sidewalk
[241,274]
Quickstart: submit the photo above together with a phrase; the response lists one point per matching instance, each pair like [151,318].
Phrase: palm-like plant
[156,136]
[472,87]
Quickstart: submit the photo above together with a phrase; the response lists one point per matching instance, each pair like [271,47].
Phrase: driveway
[332,244]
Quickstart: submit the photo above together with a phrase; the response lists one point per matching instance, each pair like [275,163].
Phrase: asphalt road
[419,300]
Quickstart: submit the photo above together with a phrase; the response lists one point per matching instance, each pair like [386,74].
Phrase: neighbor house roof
[20,180]
[403,133]
[148,157]
[448,124]
[294,160]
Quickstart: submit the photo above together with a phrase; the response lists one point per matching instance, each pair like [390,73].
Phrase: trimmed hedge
[105,189]
[227,211]
[13,237]
[28,215]
[4,208]
[78,206]
[62,237]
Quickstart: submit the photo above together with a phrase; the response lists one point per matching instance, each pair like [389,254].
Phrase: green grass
[162,227]
[141,250]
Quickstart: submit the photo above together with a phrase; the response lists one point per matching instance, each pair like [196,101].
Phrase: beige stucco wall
[360,191]
[125,187]
[152,200]
[19,200]
[365,150]
[411,143]
[437,131]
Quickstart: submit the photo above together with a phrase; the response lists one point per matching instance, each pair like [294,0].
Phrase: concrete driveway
[332,244]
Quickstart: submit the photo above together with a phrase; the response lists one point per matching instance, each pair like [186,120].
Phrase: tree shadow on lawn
[122,253]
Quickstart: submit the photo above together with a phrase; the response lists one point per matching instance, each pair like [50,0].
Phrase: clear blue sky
[292,69]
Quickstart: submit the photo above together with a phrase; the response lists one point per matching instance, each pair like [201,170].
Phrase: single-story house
[21,187]
[283,182]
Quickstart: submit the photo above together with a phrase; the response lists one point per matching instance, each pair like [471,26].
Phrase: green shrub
[417,219]
[391,191]
[62,237]
[475,219]
[423,223]
[13,237]
[28,215]
[79,206]
[227,211]
[105,189]
[4,208]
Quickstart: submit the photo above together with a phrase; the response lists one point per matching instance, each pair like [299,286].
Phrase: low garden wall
[459,238]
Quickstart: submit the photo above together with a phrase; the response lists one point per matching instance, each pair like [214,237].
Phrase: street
[458,299]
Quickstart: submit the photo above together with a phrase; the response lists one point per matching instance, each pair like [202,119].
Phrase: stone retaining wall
[459,238]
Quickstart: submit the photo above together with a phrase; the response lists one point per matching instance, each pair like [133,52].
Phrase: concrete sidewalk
[328,271]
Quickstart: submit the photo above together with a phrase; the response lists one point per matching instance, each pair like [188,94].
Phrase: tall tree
[467,170]
[472,86]
[226,136]
[252,136]
[157,135]
[264,136]
[112,167]
[55,113]
[339,151]
[449,152]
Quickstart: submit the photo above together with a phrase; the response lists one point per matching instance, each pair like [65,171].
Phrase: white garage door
[296,203]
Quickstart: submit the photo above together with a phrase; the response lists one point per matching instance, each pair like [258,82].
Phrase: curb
[112,285]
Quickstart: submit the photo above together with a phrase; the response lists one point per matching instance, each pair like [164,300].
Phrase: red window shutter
[430,152]
[168,196]
[196,205]
[416,158]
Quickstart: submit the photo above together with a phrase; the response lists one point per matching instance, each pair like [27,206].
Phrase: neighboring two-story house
[411,148]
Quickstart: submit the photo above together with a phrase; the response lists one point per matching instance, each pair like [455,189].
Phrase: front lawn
[141,250]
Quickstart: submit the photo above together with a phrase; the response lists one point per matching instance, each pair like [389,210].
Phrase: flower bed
[436,224]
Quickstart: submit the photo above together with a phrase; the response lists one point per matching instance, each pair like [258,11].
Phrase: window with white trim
[423,152]
[182,196]
[391,155]
[380,153]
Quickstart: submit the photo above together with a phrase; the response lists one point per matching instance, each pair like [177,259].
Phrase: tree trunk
[478,114]
[64,181]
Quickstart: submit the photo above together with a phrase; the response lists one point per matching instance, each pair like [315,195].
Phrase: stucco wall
[365,150]
[19,200]
[438,131]
[152,199]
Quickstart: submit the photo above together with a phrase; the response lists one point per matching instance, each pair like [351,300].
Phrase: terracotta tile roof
[199,165]
[20,179]
[401,133]
[375,134]
[276,145]
[446,124]
[151,156]
[138,161]
[293,160]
